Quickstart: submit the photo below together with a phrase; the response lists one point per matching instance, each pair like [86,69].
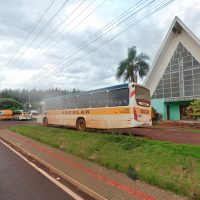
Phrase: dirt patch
[167,133]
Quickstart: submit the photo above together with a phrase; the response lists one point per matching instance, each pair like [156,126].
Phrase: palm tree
[133,66]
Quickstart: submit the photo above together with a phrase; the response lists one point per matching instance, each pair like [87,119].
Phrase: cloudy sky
[77,43]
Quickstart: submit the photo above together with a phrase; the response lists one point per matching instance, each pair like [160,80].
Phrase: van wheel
[81,125]
[45,122]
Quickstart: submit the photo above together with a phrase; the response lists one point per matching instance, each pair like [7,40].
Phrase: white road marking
[64,188]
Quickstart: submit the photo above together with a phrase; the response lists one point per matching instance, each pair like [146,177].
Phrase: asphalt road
[10,123]
[19,181]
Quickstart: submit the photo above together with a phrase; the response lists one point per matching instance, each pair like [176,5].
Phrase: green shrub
[10,104]
[195,107]
[155,116]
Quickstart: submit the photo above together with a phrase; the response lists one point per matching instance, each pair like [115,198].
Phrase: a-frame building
[174,78]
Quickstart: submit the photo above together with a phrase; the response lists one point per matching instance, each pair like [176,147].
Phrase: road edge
[68,178]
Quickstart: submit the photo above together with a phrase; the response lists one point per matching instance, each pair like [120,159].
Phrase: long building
[174,78]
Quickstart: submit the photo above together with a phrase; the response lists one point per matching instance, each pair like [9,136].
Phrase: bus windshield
[142,96]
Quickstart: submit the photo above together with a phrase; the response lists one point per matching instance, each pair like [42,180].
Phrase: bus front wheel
[80,124]
[45,122]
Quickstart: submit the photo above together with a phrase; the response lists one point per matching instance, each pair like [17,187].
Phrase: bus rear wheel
[45,122]
[80,124]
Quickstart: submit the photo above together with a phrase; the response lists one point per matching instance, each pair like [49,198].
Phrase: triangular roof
[178,33]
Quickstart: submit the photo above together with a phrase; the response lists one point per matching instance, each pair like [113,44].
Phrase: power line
[97,7]
[57,27]
[31,31]
[47,24]
[110,24]
[51,19]
[113,37]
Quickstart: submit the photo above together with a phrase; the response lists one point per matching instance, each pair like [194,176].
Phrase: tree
[10,104]
[133,66]
[195,108]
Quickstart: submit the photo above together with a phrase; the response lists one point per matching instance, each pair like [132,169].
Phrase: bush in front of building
[155,116]
[195,108]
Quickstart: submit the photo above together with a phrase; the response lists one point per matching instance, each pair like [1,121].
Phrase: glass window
[159,96]
[175,80]
[166,86]
[196,71]
[167,90]
[174,67]
[197,87]
[159,91]
[166,76]
[174,85]
[166,81]
[187,72]
[197,81]
[47,104]
[175,75]
[176,56]
[99,100]
[196,76]
[174,62]
[175,94]
[159,87]
[187,58]
[188,77]
[187,64]
[167,95]
[119,97]
[180,49]
[175,89]
[183,54]
[83,101]
[197,92]
[142,96]
[190,82]
[188,93]
[57,103]
[71,102]
[195,62]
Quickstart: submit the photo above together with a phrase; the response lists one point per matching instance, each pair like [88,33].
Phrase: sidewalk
[95,180]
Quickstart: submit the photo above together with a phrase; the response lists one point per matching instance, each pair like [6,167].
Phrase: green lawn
[192,130]
[171,166]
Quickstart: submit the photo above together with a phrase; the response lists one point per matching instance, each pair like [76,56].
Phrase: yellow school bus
[121,106]
[6,114]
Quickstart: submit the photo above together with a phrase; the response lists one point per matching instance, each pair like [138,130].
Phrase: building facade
[176,82]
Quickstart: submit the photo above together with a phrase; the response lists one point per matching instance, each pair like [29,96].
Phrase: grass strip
[192,130]
[167,165]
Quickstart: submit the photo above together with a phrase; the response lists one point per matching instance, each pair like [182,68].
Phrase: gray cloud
[17,17]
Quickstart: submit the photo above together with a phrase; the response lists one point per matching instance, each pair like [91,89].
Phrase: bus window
[119,97]
[56,103]
[48,104]
[59,103]
[99,99]
[83,101]
[142,96]
[71,102]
